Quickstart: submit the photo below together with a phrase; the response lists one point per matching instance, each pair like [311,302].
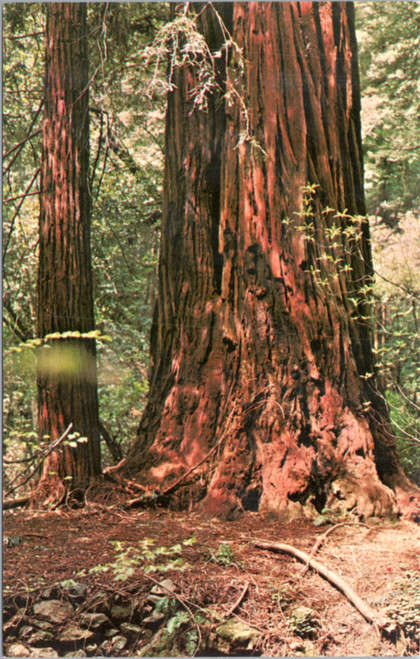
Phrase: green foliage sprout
[224,555]
[145,556]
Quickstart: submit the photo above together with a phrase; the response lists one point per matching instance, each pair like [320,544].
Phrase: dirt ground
[220,577]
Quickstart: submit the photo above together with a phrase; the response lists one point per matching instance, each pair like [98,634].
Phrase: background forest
[127,104]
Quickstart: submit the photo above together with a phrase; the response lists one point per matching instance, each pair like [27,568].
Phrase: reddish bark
[67,383]
[261,359]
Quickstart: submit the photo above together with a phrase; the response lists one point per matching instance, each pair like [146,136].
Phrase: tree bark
[262,337]
[67,379]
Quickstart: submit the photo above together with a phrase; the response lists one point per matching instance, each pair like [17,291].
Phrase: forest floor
[84,583]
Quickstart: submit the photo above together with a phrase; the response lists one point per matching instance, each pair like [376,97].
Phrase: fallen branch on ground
[14,503]
[322,537]
[238,600]
[381,624]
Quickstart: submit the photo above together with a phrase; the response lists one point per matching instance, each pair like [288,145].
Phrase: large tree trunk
[67,381]
[261,357]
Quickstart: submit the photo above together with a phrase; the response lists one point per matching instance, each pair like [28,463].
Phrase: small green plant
[303,622]
[283,596]
[166,605]
[11,541]
[402,604]
[177,621]
[224,555]
[147,557]
[191,636]
[327,516]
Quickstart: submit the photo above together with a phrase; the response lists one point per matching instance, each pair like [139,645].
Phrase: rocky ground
[104,581]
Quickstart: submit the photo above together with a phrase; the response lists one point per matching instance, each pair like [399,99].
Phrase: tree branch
[322,537]
[238,600]
[14,503]
[45,455]
[369,614]
[20,196]
[29,136]
[14,323]
[12,223]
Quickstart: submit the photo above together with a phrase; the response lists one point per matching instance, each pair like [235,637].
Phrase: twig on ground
[322,537]
[238,600]
[380,624]
[14,503]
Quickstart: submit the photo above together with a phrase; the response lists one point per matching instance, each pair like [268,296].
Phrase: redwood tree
[263,391]
[67,381]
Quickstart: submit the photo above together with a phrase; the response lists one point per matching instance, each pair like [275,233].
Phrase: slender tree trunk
[263,381]
[67,380]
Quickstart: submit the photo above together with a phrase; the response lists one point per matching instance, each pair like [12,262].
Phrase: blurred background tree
[127,125]
[389,46]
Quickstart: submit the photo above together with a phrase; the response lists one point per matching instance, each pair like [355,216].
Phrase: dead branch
[45,454]
[238,600]
[114,447]
[369,614]
[14,503]
[322,537]
[108,470]
[12,222]
[20,196]
[29,136]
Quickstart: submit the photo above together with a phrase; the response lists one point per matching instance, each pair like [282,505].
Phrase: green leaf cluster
[145,556]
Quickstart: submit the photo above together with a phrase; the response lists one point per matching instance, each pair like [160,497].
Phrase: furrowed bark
[67,380]
[262,336]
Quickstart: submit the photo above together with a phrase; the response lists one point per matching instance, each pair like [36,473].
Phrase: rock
[128,629]
[76,653]
[237,632]
[42,624]
[91,648]
[77,591]
[99,602]
[73,633]
[154,620]
[111,632]
[119,642]
[165,587]
[95,620]
[25,631]
[53,610]
[44,652]
[120,612]
[17,650]
[159,646]
[40,636]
